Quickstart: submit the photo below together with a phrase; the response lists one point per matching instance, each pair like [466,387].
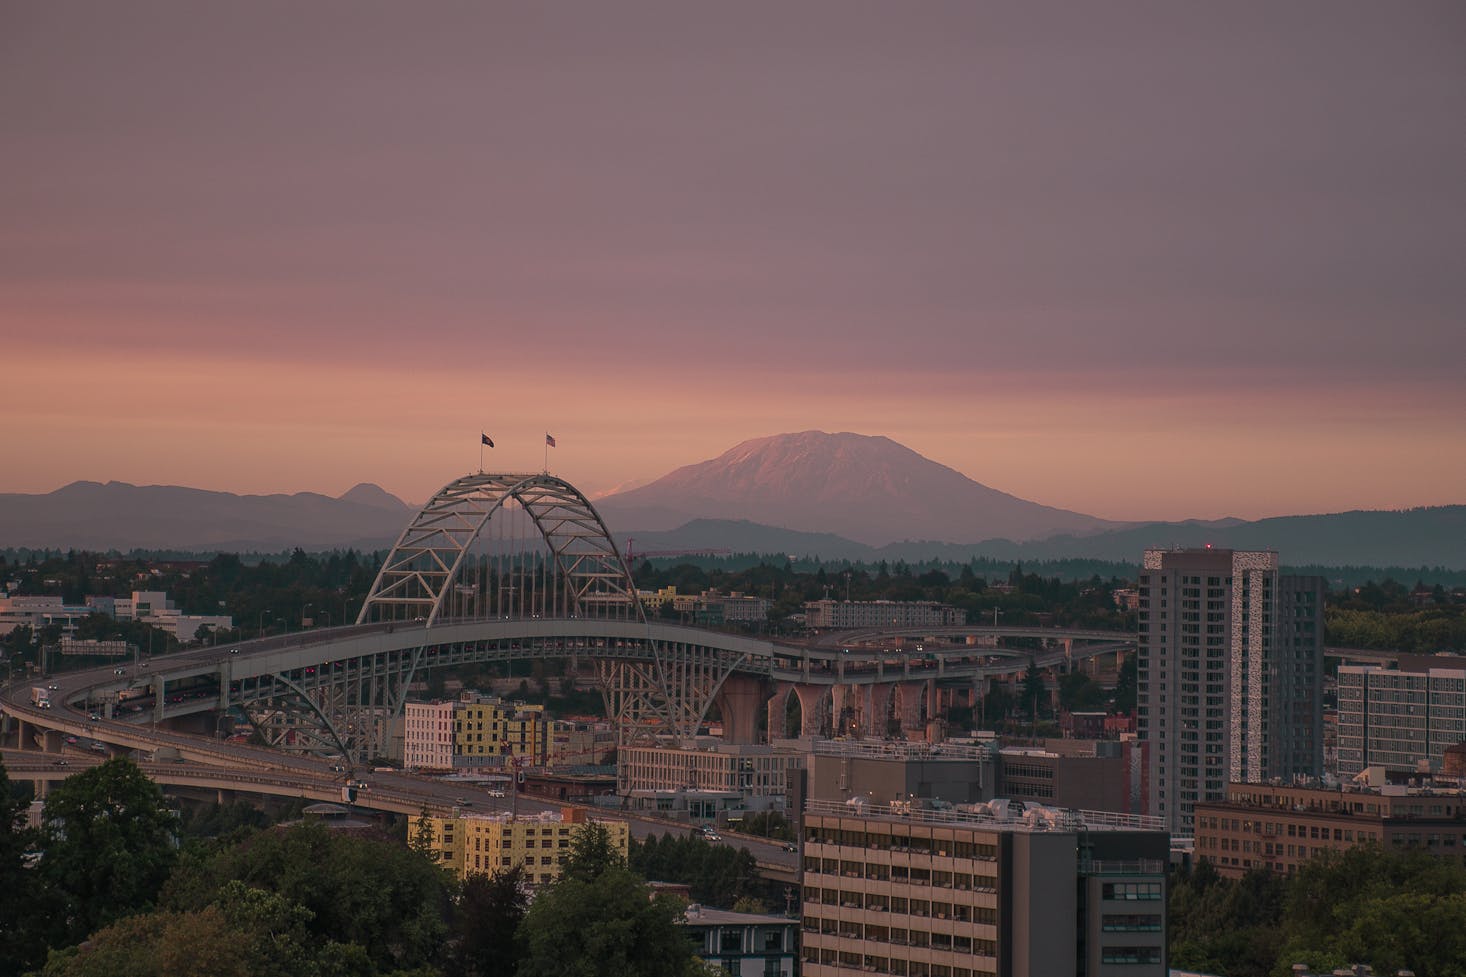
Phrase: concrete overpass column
[738,701]
[878,703]
[917,698]
[779,711]
[813,709]
[839,699]
[52,741]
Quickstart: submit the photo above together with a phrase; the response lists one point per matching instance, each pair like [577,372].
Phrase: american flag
[549,440]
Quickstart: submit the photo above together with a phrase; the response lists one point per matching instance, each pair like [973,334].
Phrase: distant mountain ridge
[833,496]
[868,489]
[1425,537]
[122,516]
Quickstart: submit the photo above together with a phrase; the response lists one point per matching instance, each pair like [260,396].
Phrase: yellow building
[491,727]
[488,843]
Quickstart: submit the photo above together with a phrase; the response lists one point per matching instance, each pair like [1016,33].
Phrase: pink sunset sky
[1137,260]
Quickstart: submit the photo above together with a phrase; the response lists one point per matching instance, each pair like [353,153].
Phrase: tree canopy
[109,844]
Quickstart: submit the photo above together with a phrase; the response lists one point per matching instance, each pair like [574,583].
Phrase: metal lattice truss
[418,575]
[343,707]
[668,693]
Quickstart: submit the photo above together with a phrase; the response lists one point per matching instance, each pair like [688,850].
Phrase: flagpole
[547,453]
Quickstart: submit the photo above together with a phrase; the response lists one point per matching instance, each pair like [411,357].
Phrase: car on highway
[788,847]
[496,792]
[463,802]
[337,768]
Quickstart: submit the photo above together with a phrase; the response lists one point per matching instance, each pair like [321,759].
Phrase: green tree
[1078,692]
[422,833]
[1125,687]
[996,706]
[249,933]
[591,853]
[25,906]
[485,923]
[109,844]
[603,926]
[1033,690]
[367,891]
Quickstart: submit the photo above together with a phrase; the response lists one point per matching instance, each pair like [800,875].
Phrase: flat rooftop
[990,816]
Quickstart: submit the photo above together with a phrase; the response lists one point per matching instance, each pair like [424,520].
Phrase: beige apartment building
[981,891]
[489,843]
[1278,828]
[708,779]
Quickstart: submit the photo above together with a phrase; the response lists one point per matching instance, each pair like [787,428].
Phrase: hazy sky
[1140,260]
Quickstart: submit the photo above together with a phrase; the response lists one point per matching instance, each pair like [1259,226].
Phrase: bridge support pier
[918,704]
[814,709]
[52,741]
[778,708]
[877,709]
[738,702]
[840,700]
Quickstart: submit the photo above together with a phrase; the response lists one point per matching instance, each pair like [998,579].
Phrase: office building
[488,843]
[707,781]
[879,771]
[981,892]
[1278,828]
[845,614]
[744,944]
[1102,775]
[1401,718]
[1230,656]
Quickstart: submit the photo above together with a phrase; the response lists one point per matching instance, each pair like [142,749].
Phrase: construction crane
[632,555]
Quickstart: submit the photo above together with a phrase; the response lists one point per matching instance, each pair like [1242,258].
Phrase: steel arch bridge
[508,567]
[495,547]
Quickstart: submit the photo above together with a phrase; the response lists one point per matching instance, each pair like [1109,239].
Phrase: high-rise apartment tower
[1229,672]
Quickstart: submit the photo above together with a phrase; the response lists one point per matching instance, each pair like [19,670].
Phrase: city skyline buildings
[1038,249]
[1229,675]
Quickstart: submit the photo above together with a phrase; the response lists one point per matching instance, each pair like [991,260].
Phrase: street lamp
[304,620]
[260,629]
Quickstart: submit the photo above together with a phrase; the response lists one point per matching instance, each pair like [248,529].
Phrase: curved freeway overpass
[560,591]
[337,688]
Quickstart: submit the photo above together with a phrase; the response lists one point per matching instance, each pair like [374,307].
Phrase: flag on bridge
[487,440]
[550,441]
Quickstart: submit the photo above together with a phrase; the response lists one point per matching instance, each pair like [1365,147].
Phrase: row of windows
[1131,923]
[879,841]
[1130,954]
[868,963]
[1134,891]
[900,874]
[900,937]
[900,905]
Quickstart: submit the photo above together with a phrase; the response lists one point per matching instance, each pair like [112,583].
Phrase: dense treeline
[104,890]
[718,875]
[1392,910]
[266,596]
